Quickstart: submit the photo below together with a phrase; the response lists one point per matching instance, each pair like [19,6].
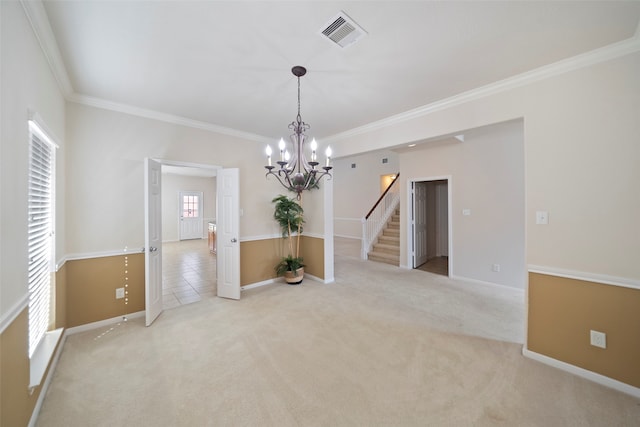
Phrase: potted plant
[290,216]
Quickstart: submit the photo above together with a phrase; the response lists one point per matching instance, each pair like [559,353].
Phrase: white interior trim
[163,117]
[583,373]
[42,28]
[42,356]
[498,287]
[47,382]
[101,323]
[37,16]
[588,277]
[7,318]
[103,254]
[257,284]
[587,59]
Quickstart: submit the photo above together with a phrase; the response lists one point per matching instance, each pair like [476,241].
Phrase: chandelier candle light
[296,173]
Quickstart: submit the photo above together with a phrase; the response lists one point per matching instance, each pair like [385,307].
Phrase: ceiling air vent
[342,30]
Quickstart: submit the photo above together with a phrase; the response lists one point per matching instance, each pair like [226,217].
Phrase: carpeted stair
[387,248]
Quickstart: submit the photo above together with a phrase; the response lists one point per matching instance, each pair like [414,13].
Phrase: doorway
[430,236]
[191,210]
[227,268]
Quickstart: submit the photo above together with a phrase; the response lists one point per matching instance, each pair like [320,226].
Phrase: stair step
[384,257]
[391,232]
[387,249]
[389,240]
[393,224]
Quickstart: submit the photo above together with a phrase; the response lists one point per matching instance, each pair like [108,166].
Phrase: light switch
[466,212]
[542,217]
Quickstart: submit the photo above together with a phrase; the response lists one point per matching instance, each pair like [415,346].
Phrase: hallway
[188,272]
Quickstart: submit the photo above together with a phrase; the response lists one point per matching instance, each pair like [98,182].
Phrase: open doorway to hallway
[430,219]
[189,205]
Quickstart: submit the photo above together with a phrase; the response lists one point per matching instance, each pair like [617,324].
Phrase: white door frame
[166,162]
[409,218]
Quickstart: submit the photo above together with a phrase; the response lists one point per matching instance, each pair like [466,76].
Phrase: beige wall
[91,288]
[357,189]
[259,257]
[580,129]
[16,404]
[26,85]
[16,401]
[487,177]
[563,312]
[581,161]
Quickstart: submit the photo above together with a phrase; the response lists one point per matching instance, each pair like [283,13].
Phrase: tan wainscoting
[258,258]
[562,312]
[60,283]
[312,249]
[17,405]
[91,288]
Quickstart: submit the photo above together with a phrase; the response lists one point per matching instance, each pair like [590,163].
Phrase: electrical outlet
[598,339]
[496,268]
[542,217]
[119,293]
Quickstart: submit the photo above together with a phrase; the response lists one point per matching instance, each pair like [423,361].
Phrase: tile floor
[188,272]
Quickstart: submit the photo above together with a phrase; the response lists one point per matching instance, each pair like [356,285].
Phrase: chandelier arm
[298,174]
[277,175]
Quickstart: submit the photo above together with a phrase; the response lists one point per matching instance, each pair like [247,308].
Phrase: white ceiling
[227,63]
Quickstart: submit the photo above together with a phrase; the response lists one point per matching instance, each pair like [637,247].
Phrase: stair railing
[374,221]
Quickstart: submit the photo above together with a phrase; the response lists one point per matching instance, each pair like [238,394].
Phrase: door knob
[152,249]
[234,240]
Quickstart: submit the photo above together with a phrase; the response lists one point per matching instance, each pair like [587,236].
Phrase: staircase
[387,248]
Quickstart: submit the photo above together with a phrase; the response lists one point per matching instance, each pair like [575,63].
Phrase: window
[190,206]
[40,232]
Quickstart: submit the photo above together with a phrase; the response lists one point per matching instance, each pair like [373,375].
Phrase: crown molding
[39,21]
[164,117]
[587,59]
[37,16]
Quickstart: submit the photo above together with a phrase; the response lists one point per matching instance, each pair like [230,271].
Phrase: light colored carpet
[380,347]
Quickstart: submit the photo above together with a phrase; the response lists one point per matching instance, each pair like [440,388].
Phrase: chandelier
[295,173]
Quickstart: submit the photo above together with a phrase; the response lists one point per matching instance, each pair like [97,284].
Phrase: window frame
[40,243]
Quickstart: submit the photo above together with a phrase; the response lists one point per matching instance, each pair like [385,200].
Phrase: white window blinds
[40,232]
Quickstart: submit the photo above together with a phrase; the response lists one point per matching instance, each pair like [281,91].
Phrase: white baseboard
[257,284]
[101,323]
[583,373]
[497,286]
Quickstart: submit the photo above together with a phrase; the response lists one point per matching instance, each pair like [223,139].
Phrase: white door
[190,213]
[152,240]
[420,224]
[228,229]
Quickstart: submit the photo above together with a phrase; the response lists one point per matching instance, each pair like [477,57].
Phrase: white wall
[581,130]
[357,189]
[487,177]
[172,185]
[26,84]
